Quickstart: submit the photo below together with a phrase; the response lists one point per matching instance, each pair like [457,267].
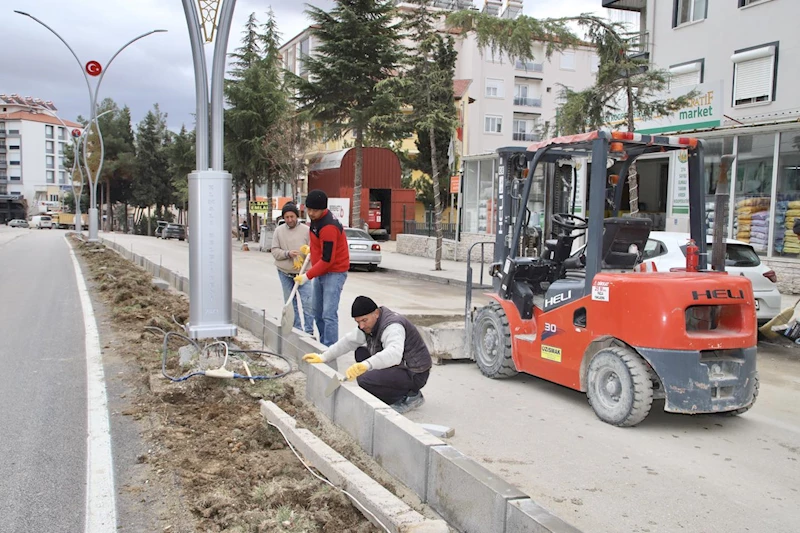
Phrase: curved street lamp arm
[217,83]
[97,91]
[80,64]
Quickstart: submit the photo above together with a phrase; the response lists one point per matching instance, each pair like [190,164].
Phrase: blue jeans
[327,291]
[305,292]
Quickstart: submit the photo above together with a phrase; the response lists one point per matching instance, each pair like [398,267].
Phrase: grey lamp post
[76,142]
[210,254]
[95,69]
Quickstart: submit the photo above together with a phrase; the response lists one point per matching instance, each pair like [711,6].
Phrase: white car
[668,250]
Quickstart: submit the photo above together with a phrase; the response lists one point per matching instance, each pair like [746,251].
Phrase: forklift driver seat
[619,233]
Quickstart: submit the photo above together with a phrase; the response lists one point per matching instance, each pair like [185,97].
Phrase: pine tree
[181,159]
[429,92]
[359,47]
[257,99]
[152,184]
[626,85]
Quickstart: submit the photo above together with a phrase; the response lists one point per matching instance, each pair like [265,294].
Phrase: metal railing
[413,227]
[525,136]
[529,102]
[528,66]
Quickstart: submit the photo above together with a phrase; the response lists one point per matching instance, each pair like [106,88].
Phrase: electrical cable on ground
[220,372]
[360,505]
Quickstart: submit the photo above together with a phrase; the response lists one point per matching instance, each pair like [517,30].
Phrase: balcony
[527,102]
[530,137]
[529,66]
[626,5]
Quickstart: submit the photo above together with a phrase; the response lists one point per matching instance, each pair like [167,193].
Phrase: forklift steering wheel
[569,222]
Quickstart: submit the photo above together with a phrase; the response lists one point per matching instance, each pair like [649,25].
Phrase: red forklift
[593,320]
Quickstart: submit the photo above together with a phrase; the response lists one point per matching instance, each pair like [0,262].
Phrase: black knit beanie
[363,306]
[317,199]
[289,206]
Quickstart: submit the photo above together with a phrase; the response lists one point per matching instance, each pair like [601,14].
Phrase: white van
[42,221]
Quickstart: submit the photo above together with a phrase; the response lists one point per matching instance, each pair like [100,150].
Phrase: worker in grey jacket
[289,248]
[392,361]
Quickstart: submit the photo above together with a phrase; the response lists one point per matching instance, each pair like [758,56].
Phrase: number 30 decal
[551,328]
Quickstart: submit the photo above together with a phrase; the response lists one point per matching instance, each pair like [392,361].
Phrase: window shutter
[753,79]
[753,75]
[684,79]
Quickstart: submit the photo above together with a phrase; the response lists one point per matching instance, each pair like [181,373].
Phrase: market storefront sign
[703,111]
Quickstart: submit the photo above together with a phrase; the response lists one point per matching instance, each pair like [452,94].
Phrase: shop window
[685,11]
[753,189]
[479,207]
[686,74]
[754,75]
[787,206]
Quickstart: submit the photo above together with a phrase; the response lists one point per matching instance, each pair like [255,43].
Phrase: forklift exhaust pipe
[718,246]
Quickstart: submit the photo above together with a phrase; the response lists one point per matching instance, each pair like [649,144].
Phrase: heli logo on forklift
[718,294]
[558,298]
[551,353]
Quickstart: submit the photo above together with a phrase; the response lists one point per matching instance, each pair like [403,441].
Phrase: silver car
[364,251]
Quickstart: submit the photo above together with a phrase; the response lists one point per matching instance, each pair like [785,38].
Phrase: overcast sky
[156,69]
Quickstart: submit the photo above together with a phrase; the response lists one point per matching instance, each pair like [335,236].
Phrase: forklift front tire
[491,342]
[619,388]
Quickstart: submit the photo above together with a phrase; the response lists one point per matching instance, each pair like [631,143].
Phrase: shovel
[334,384]
[287,314]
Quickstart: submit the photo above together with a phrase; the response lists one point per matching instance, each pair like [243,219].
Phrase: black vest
[416,356]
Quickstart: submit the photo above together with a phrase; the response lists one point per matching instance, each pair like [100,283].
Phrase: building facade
[739,58]
[32,147]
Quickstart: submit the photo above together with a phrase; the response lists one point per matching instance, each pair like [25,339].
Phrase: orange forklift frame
[622,336]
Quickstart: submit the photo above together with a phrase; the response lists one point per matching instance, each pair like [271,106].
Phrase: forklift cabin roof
[635,144]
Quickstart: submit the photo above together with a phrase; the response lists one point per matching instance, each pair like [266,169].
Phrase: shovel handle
[294,289]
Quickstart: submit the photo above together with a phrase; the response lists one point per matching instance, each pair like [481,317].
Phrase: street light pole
[210,253]
[76,141]
[95,69]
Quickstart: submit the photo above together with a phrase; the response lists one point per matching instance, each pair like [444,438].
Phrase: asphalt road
[672,473]
[42,385]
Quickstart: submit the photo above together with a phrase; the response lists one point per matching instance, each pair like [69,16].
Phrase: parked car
[667,250]
[41,222]
[18,223]
[174,231]
[364,251]
[160,225]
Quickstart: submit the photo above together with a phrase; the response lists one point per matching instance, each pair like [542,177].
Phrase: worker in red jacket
[330,261]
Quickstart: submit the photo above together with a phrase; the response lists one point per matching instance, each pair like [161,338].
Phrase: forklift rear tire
[491,340]
[619,388]
[747,407]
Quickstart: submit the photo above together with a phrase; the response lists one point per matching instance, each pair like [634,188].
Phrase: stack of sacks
[744,215]
[759,231]
[791,245]
[780,229]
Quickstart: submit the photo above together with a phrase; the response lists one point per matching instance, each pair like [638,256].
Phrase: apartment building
[32,146]
[739,55]
[500,101]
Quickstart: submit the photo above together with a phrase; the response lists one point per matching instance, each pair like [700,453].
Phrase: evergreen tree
[429,92]
[257,100]
[152,185]
[359,47]
[181,160]
[627,87]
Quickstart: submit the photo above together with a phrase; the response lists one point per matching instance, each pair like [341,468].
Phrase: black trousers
[390,385]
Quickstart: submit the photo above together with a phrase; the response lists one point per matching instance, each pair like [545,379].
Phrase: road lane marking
[101,511]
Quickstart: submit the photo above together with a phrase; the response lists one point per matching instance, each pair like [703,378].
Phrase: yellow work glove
[356,370]
[300,279]
[298,262]
[305,249]
[312,358]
